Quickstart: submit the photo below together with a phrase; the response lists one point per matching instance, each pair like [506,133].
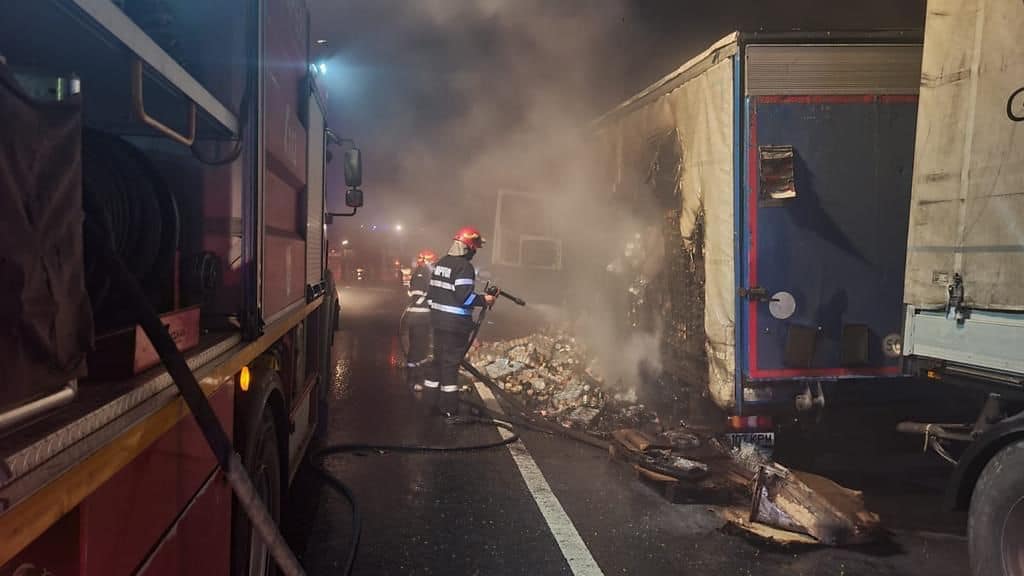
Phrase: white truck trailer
[964,283]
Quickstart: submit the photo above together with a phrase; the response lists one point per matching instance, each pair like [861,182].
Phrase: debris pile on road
[550,375]
[780,505]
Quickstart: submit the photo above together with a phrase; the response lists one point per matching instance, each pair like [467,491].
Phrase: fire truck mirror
[354,170]
[354,198]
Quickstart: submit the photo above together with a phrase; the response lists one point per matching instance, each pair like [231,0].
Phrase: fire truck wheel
[263,461]
[995,526]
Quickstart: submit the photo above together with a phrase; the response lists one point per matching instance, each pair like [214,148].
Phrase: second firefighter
[417,314]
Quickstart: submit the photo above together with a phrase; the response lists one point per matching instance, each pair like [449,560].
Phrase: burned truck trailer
[780,166]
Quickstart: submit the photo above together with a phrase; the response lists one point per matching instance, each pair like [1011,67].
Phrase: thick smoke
[454,100]
[509,89]
[527,127]
[523,87]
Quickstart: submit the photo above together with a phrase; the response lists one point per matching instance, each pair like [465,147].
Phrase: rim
[259,557]
[1013,540]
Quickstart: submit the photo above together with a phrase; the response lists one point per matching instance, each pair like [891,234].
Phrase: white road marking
[575,551]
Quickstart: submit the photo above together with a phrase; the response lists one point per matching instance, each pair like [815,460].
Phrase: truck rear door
[829,149]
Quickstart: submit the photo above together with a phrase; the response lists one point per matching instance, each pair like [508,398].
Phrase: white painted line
[575,551]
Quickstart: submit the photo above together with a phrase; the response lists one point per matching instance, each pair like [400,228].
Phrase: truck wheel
[995,525]
[263,462]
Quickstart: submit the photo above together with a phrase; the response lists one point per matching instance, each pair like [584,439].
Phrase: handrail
[17,415]
[111,24]
[139,109]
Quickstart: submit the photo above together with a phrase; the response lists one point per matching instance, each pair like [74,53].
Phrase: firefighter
[452,300]
[417,319]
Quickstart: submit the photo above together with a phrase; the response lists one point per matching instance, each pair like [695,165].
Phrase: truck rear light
[737,423]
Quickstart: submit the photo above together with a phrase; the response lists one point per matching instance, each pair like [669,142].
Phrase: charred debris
[552,377]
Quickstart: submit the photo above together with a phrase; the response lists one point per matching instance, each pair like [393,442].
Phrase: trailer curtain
[968,195]
[699,109]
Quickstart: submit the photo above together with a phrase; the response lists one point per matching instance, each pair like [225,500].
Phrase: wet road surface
[474,513]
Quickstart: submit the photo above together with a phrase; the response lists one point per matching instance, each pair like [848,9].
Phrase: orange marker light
[243,379]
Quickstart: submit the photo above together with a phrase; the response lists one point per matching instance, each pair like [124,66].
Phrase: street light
[398,227]
[344,242]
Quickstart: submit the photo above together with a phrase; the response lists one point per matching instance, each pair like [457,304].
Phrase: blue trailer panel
[827,256]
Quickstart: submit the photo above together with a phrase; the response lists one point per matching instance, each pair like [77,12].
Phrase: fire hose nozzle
[495,291]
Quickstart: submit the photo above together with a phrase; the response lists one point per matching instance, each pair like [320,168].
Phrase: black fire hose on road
[407,448]
[336,483]
[217,439]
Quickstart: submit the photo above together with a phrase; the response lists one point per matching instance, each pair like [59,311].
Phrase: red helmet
[470,237]
[426,256]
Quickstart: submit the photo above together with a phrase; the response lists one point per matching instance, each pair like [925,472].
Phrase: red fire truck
[193,135]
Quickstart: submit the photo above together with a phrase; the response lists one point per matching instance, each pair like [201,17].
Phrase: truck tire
[262,459]
[995,524]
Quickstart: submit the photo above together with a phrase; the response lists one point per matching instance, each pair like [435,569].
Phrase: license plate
[763,440]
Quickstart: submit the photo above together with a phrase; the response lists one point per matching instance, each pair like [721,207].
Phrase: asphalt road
[551,506]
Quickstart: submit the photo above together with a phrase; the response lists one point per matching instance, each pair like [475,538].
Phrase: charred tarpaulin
[676,294]
[684,354]
[665,168]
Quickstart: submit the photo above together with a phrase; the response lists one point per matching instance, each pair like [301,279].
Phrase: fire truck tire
[995,524]
[262,459]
